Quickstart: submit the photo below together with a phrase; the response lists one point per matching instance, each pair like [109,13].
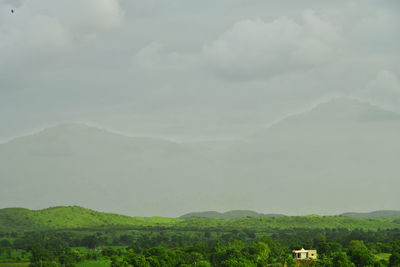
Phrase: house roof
[302,250]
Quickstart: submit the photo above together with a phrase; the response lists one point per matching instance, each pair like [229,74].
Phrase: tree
[359,254]
[118,262]
[8,251]
[137,260]
[394,259]
[288,260]
[277,251]
[5,243]
[259,253]
[201,264]
[318,239]
[230,253]
[108,252]
[340,259]
[90,241]
[328,248]
[41,257]
[153,261]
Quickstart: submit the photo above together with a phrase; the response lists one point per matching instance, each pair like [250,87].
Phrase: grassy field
[93,264]
[21,254]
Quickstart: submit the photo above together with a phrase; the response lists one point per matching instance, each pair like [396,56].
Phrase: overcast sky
[189,69]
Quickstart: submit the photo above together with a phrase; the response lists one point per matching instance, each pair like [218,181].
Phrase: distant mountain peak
[340,109]
[350,109]
[373,214]
[71,127]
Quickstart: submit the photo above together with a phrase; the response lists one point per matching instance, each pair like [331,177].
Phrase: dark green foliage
[5,243]
[54,256]
[328,248]
[359,254]
[394,259]
[90,241]
[340,259]
[42,257]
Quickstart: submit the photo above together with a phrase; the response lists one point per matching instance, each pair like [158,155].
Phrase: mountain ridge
[74,127]
[373,214]
[232,214]
[298,166]
[354,105]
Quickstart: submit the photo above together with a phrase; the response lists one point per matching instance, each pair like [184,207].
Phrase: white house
[304,254]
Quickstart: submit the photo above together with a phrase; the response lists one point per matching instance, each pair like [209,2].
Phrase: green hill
[373,214]
[19,219]
[69,217]
[233,214]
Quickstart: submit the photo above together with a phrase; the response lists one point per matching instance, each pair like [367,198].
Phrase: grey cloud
[199,68]
[42,33]
[206,70]
[383,89]
[13,3]
[255,48]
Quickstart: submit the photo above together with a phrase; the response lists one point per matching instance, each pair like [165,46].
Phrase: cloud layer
[184,68]
[254,49]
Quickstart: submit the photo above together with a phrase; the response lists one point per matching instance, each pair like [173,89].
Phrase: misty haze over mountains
[341,155]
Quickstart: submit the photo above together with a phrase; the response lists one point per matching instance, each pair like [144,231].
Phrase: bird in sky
[12,10]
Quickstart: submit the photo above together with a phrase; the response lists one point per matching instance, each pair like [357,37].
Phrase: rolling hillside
[373,214]
[233,214]
[73,217]
[68,218]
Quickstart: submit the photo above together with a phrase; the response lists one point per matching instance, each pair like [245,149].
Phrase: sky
[190,70]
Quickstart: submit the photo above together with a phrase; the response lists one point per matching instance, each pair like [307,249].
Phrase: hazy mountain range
[340,155]
[232,214]
[373,214]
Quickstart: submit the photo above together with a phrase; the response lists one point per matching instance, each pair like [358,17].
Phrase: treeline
[380,241]
[236,253]
[246,247]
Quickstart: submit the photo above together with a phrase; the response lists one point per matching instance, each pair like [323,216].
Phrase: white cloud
[88,16]
[253,49]
[150,57]
[383,89]
[194,58]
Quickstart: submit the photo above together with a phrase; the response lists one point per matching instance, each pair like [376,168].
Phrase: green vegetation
[383,256]
[13,264]
[74,236]
[68,218]
[16,219]
[94,263]
[233,214]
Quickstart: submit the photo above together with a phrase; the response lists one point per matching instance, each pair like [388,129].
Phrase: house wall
[312,254]
[307,254]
